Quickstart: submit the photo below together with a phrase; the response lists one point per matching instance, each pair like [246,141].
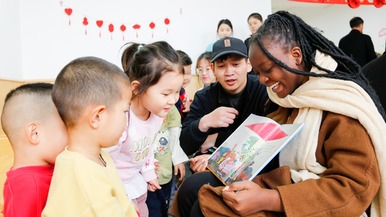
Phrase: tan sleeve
[351,180]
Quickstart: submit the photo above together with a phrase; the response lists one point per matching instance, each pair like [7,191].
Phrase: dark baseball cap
[228,45]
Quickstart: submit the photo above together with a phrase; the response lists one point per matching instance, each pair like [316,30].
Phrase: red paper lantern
[167,22]
[68,11]
[378,3]
[152,26]
[99,23]
[111,30]
[85,23]
[136,27]
[123,29]
[353,3]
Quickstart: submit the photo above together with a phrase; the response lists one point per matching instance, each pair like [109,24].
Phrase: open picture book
[250,148]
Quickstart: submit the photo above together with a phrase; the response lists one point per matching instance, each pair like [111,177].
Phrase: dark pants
[158,201]
[187,196]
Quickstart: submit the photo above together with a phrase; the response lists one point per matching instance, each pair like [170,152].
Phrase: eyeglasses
[202,70]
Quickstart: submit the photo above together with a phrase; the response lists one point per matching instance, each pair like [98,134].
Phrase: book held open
[250,148]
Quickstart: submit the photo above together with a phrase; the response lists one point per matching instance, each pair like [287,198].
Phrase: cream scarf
[337,96]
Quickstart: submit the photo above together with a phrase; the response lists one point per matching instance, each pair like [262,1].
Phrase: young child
[92,97]
[204,69]
[167,152]
[183,103]
[37,135]
[156,78]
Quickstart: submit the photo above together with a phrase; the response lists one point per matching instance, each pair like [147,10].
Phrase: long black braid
[289,31]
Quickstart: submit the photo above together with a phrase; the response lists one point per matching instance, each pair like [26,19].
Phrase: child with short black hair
[92,97]
[37,135]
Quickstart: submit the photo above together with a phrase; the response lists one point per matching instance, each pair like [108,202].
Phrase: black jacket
[358,46]
[252,100]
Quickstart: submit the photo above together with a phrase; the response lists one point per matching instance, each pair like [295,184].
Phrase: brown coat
[346,187]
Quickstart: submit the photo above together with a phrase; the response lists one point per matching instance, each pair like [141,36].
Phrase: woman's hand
[199,163]
[247,197]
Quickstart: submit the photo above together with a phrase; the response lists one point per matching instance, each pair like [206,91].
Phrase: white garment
[338,96]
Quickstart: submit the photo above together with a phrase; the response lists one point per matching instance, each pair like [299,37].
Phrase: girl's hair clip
[140,46]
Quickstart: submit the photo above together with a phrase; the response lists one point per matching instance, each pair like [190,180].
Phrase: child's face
[224,31]
[205,73]
[187,75]
[231,73]
[116,118]
[53,136]
[160,98]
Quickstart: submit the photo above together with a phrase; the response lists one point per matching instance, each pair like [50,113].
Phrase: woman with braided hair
[336,164]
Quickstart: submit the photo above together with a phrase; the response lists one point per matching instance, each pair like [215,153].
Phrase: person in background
[325,170]
[357,45]
[224,29]
[183,103]
[204,69]
[156,77]
[220,108]
[170,159]
[92,96]
[255,20]
[37,135]
[375,72]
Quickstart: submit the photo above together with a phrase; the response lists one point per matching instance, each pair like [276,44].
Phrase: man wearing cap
[219,109]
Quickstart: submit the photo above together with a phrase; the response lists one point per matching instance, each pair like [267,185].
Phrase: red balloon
[111,27]
[85,21]
[123,28]
[152,25]
[353,3]
[68,11]
[378,3]
[167,21]
[136,26]
[99,23]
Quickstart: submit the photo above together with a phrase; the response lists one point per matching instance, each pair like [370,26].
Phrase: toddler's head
[32,124]
[93,91]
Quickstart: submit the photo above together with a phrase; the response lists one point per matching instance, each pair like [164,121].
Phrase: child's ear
[97,115]
[32,132]
[134,87]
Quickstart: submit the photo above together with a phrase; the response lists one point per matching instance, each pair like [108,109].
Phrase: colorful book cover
[250,148]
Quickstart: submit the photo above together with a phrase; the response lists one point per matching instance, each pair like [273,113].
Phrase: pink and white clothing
[133,155]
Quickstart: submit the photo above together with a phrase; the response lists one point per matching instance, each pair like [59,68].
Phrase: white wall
[10,48]
[334,20]
[39,40]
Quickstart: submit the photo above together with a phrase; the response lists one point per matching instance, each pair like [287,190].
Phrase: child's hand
[153,185]
[179,169]
[199,163]
[186,104]
[157,166]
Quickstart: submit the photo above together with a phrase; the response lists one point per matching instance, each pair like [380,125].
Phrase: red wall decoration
[350,3]
[99,24]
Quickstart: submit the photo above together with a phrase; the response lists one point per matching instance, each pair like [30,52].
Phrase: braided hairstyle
[288,30]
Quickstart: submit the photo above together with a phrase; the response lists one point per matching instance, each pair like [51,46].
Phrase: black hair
[355,22]
[147,63]
[224,21]
[185,59]
[87,81]
[289,31]
[256,16]
[39,88]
